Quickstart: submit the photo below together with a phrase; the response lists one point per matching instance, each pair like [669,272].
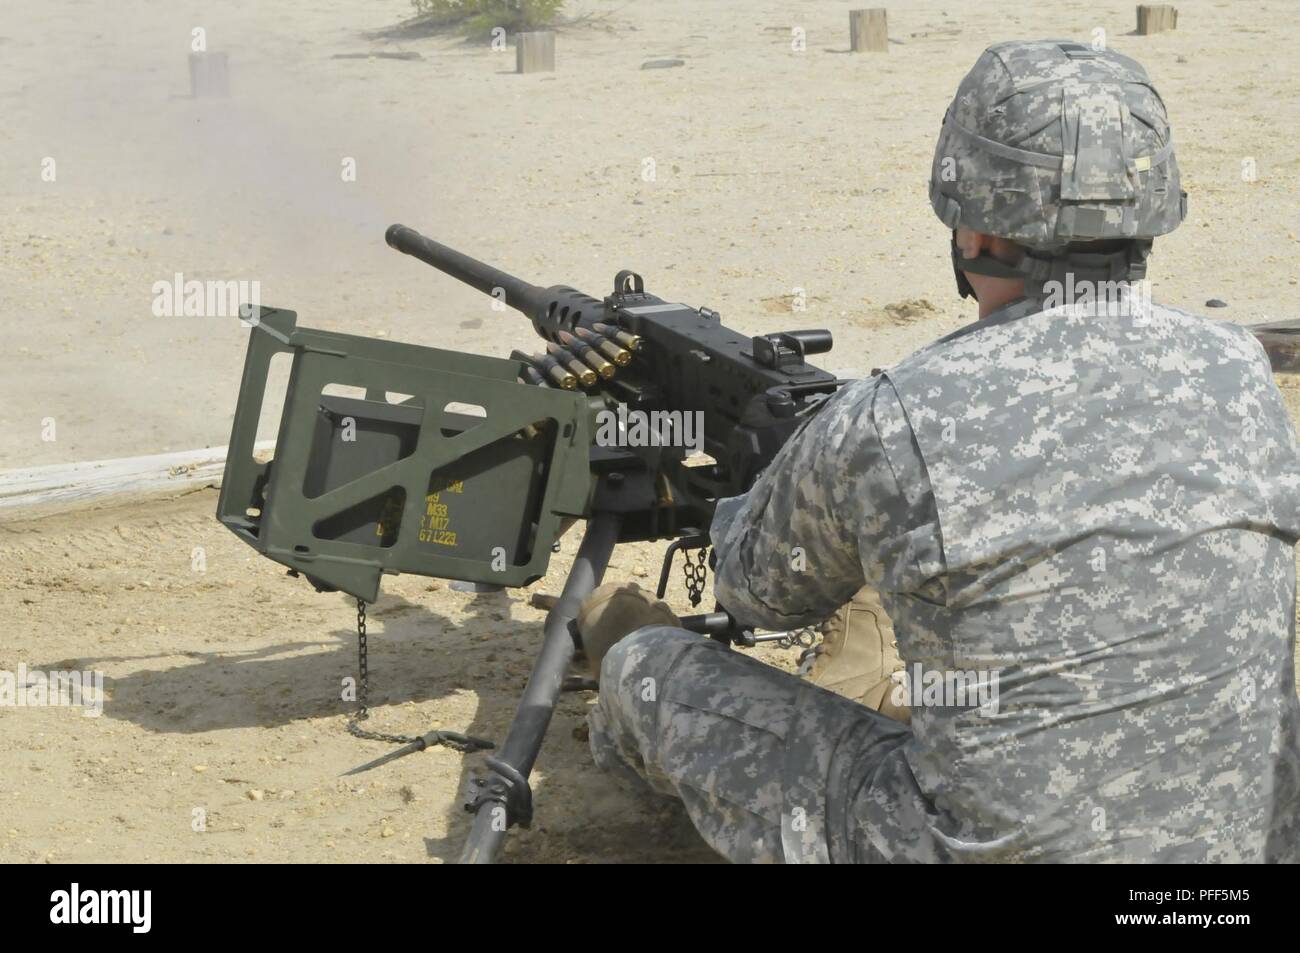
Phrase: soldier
[1085,502]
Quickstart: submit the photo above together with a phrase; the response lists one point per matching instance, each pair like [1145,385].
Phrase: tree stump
[535,52]
[868,31]
[1156,18]
[209,75]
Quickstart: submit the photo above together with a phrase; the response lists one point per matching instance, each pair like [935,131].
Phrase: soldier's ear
[1005,250]
[970,242]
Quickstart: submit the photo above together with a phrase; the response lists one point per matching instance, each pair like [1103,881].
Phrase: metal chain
[363,689]
[696,573]
[451,739]
[804,638]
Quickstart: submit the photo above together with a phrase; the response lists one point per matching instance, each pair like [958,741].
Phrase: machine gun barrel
[515,292]
[750,393]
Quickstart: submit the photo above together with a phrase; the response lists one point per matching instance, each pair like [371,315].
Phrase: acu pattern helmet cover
[1049,143]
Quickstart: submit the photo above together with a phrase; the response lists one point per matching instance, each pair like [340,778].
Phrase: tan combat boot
[858,657]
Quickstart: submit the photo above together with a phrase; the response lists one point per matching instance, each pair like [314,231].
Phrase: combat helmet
[1064,149]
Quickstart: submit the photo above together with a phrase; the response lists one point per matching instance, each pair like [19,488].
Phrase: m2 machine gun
[470,468]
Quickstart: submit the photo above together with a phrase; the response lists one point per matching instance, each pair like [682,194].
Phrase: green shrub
[480,17]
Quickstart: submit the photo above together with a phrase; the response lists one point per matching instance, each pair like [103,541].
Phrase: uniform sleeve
[803,540]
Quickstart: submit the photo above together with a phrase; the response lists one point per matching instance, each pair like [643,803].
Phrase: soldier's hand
[613,611]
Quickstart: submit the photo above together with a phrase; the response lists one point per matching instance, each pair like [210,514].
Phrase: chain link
[363,690]
[451,739]
[804,638]
[696,574]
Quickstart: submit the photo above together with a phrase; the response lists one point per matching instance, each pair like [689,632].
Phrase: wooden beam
[69,484]
[1281,340]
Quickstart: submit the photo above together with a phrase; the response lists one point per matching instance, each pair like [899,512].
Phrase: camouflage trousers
[767,764]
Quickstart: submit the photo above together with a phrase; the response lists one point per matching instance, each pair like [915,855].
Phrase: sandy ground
[774,170]
[224,694]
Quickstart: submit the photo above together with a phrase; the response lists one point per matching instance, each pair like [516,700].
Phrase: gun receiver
[751,392]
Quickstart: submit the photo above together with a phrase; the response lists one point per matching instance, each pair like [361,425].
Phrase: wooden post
[535,52]
[868,31]
[1156,18]
[209,75]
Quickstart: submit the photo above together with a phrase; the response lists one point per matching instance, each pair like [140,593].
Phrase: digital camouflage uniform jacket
[1100,508]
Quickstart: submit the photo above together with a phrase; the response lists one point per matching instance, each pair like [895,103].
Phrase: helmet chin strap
[1037,269]
[982,264]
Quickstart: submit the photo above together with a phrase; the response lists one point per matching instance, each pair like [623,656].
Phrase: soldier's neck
[994,293]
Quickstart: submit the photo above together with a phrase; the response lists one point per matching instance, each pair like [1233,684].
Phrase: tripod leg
[506,788]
